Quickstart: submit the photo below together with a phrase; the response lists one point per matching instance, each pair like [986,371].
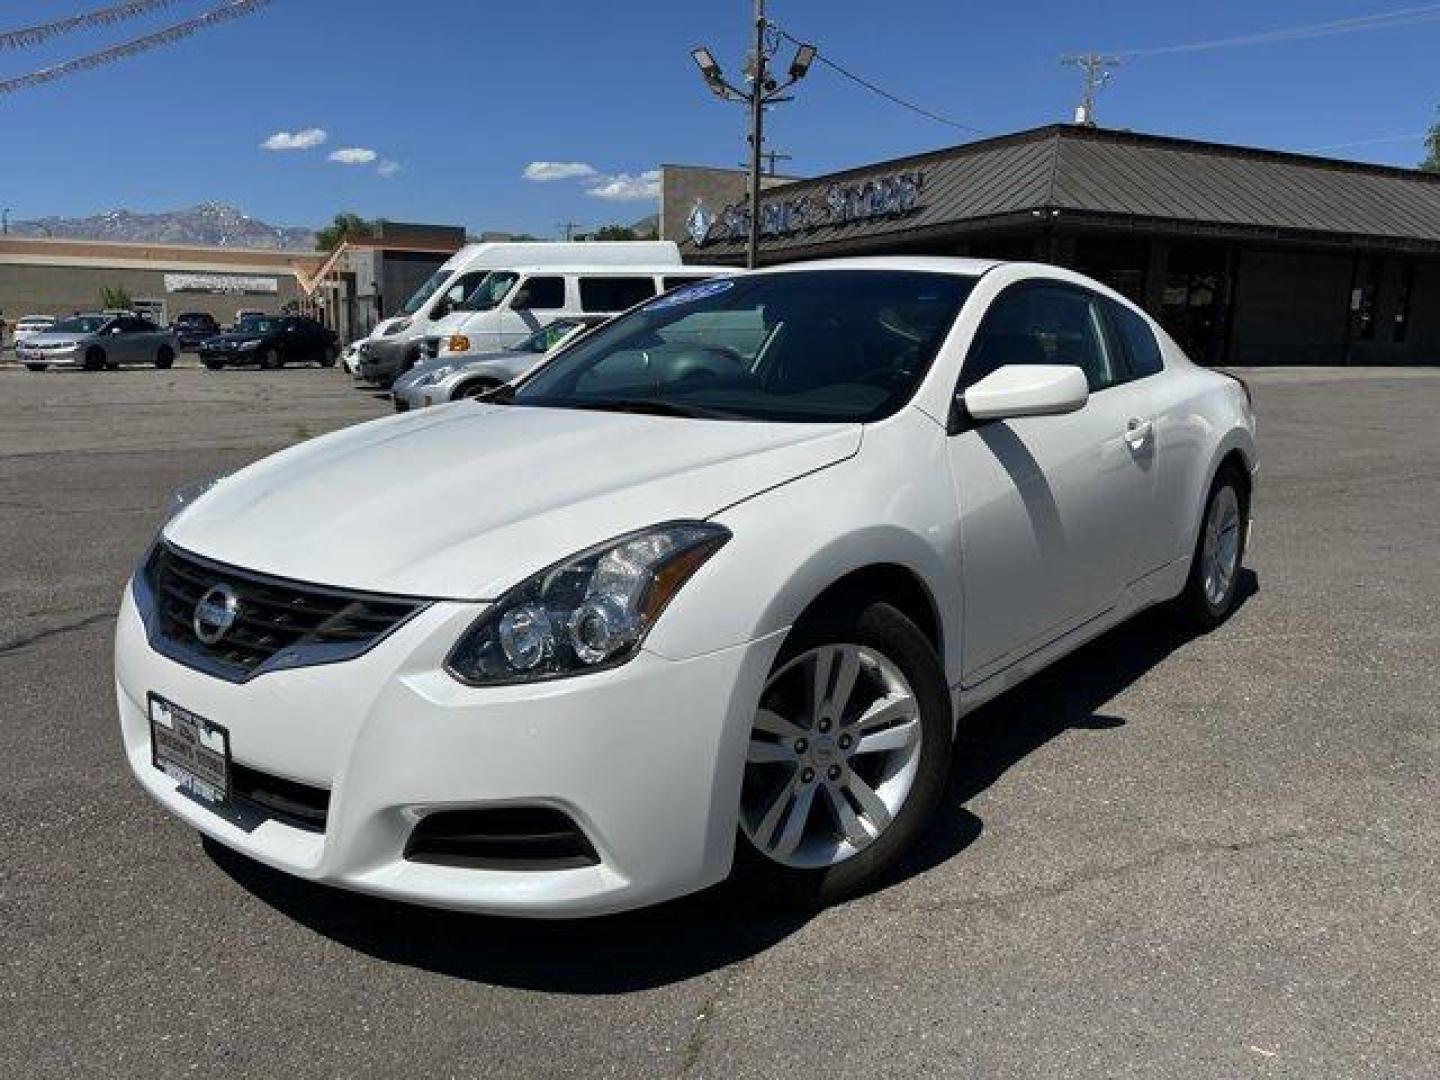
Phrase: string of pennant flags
[34,35]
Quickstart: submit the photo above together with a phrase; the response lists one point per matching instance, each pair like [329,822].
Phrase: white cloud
[354,155]
[388,168]
[558,170]
[306,139]
[622,187]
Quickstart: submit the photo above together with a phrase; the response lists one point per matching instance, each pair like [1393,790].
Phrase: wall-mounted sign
[222,284]
[840,204]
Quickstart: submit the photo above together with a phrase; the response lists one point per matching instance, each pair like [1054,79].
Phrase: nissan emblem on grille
[215,614]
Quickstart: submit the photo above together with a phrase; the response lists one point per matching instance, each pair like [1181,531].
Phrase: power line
[235,9]
[868,85]
[1356,144]
[41,32]
[1384,20]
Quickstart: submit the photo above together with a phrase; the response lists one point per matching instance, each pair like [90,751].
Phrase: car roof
[935,264]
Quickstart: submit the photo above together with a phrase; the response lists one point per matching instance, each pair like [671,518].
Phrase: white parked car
[710,593]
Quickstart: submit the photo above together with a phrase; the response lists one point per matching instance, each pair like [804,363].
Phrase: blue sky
[463,96]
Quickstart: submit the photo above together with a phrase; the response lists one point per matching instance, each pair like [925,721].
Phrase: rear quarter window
[1142,351]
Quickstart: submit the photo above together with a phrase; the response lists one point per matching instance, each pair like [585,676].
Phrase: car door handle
[1138,432]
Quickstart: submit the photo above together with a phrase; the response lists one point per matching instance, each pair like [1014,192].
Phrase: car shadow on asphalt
[698,934]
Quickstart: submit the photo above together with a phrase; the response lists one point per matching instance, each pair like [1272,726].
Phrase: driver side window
[1043,324]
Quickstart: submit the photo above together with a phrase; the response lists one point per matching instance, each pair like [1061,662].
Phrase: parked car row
[99,341]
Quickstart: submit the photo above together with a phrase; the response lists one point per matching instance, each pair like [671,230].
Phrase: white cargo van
[394,344]
[513,302]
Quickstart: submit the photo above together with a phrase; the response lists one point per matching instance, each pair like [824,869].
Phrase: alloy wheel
[832,757]
[1220,547]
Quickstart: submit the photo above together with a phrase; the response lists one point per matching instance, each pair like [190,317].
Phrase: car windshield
[193,318]
[79,324]
[809,346]
[259,326]
[427,290]
[545,339]
[493,288]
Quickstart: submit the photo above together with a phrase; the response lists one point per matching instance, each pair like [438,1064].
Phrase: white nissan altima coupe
[708,593]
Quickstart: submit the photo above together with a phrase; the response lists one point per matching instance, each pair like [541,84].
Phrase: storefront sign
[841,204]
[222,284]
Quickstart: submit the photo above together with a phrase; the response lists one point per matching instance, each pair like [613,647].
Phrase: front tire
[847,758]
[165,358]
[95,360]
[269,359]
[1213,588]
[213,365]
[328,357]
[36,367]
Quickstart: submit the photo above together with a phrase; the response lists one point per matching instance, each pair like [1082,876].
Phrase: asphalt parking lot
[1168,857]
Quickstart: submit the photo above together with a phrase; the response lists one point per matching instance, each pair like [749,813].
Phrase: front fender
[793,542]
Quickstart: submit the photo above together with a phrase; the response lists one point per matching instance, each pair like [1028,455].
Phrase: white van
[511,303]
[394,344]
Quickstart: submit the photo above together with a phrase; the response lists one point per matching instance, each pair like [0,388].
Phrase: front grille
[501,838]
[278,624]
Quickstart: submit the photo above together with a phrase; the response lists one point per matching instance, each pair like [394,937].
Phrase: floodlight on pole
[763,90]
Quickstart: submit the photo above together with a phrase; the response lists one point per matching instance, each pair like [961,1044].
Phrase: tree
[346,226]
[114,298]
[615,232]
[1432,144]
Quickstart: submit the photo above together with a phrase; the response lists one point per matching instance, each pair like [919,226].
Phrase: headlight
[457,343]
[587,613]
[186,494]
[432,377]
[247,345]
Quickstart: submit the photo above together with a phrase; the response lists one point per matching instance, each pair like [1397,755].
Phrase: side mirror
[440,310]
[1027,390]
[521,301]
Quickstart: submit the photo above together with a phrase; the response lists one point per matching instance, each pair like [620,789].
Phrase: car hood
[234,339]
[465,500]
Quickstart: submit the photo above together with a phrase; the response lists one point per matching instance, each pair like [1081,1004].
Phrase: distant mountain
[209,224]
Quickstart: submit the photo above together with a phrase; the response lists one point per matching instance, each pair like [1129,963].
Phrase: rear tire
[213,365]
[1213,588]
[95,360]
[165,358]
[36,367]
[864,768]
[328,357]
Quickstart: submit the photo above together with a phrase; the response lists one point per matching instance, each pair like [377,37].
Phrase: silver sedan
[96,342]
[449,378]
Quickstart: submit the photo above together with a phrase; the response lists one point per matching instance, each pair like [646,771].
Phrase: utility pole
[1097,70]
[764,90]
[5,218]
[757,133]
[568,228]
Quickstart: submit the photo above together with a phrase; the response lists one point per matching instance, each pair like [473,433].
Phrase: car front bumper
[645,758]
[54,357]
[385,358]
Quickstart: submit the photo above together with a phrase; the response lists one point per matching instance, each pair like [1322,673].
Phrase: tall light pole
[764,90]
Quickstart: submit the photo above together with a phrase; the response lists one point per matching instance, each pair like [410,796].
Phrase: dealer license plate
[192,751]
